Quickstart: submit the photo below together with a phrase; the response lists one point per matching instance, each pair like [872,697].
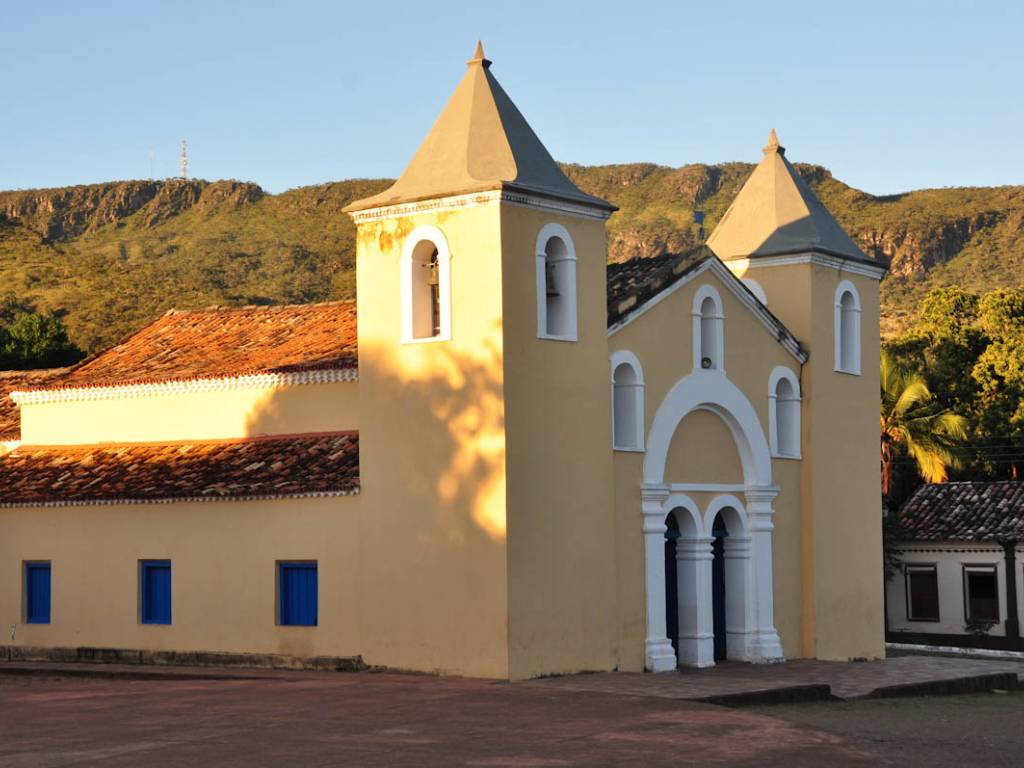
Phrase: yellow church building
[506,459]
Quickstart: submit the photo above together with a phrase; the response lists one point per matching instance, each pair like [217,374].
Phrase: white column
[764,642]
[740,618]
[659,656]
[696,616]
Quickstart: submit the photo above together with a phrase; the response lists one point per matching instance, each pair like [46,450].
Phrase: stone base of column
[737,646]
[765,647]
[659,655]
[697,651]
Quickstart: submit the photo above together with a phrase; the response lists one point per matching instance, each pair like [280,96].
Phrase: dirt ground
[395,720]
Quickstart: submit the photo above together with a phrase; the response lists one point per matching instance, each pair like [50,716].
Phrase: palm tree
[910,419]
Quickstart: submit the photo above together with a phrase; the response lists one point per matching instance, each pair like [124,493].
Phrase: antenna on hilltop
[184,161]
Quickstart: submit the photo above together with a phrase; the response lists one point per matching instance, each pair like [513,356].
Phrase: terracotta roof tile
[294,465]
[222,342]
[632,283]
[966,511]
[11,381]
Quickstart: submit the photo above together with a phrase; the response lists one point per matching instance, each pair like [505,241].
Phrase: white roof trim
[184,386]
[474,199]
[176,499]
[737,288]
[820,259]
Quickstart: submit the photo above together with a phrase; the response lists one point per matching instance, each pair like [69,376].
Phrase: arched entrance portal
[744,583]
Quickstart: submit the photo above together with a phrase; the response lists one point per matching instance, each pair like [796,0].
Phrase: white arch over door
[710,390]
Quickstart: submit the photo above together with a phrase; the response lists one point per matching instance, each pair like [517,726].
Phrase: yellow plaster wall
[432,456]
[194,416]
[841,501]
[223,569]
[561,550]
[662,340]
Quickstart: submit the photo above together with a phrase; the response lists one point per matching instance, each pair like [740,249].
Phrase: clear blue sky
[890,95]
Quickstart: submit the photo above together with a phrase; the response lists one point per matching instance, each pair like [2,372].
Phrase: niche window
[784,413]
[556,284]
[708,325]
[922,593]
[981,593]
[627,402]
[426,292]
[847,329]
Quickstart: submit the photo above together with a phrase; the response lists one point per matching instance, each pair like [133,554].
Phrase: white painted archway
[752,624]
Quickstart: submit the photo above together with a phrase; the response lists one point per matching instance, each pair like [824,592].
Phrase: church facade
[506,459]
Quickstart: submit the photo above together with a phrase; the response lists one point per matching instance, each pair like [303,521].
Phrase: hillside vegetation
[108,258]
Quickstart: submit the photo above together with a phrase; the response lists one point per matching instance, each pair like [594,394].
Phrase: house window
[922,593]
[981,593]
[627,402]
[784,413]
[37,593]
[556,284]
[297,594]
[847,329]
[155,591]
[426,289]
[708,324]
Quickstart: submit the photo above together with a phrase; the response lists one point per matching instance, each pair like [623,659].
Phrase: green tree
[913,425]
[35,340]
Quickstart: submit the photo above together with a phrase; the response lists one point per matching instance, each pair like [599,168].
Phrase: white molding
[717,319]
[720,502]
[818,259]
[487,197]
[547,232]
[433,235]
[625,357]
[184,386]
[177,499]
[842,289]
[745,297]
[755,288]
[778,373]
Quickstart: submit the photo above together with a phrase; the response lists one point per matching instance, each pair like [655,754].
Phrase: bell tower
[780,239]
[485,439]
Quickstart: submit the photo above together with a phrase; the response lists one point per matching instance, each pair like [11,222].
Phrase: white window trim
[546,233]
[706,291]
[620,357]
[755,288]
[782,372]
[847,287]
[417,236]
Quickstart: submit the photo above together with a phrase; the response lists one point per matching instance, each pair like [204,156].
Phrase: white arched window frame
[627,402]
[784,413]
[708,330]
[418,321]
[847,329]
[755,288]
[556,284]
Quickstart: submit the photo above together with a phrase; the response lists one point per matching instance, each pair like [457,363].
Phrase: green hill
[110,257]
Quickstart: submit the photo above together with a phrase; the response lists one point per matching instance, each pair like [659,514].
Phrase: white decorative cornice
[184,386]
[819,259]
[178,499]
[474,199]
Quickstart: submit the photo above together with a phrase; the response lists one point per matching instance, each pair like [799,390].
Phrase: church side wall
[211,415]
[562,570]
[223,574]
[662,340]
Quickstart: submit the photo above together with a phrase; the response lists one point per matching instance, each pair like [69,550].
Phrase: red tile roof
[11,381]
[226,342]
[323,464]
[966,511]
[632,283]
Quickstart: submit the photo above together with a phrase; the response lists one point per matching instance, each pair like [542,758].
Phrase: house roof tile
[12,381]
[325,464]
[965,511]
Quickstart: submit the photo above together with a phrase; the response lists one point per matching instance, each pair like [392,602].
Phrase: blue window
[37,593]
[297,594]
[155,591]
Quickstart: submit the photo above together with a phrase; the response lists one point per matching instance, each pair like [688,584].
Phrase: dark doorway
[718,587]
[671,584]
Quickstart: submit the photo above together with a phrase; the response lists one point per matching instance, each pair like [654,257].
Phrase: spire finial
[478,56]
[773,144]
